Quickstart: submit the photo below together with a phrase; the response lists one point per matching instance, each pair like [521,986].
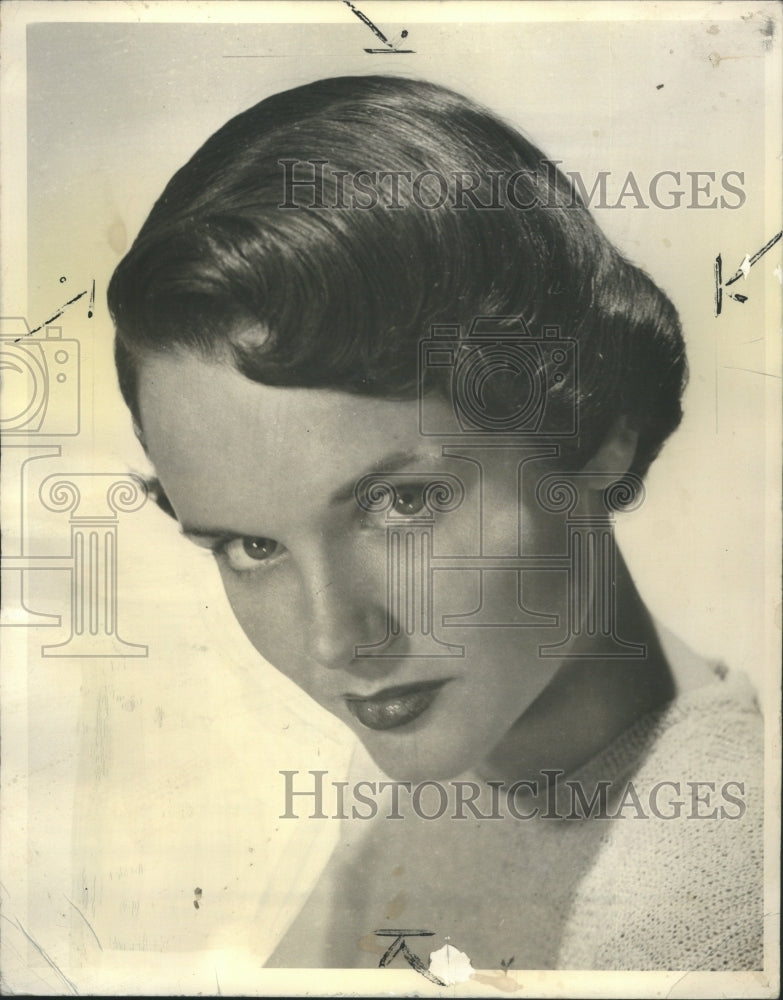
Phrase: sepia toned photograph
[391,431]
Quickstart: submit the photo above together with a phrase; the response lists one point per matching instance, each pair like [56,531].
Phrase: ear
[615,456]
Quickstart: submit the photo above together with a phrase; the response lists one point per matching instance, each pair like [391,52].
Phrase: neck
[589,701]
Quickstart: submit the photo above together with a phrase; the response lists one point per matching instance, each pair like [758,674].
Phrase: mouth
[395,706]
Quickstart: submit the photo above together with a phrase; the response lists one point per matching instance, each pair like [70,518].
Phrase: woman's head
[268,344]
[300,244]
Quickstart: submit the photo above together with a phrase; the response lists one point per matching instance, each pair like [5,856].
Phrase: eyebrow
[390,463]
[393,462]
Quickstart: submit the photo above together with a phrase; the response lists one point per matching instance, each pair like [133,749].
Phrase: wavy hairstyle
[340,297]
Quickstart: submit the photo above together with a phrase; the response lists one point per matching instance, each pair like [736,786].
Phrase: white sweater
[635,892]
[678,893]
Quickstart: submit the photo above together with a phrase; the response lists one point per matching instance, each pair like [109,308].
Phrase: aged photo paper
[422,712]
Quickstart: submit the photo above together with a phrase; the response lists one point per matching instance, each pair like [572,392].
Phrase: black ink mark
[718,284]
[742,271]
[63,279]
[659,86]
[506,963]
[363,17]
[198,894]
[398,38]
[756,257]
[399,947]
[91,306]
[390,46]
[57,315]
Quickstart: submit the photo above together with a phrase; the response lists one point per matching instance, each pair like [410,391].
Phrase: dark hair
[339,297]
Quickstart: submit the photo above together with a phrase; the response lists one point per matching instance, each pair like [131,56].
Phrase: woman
[388,370]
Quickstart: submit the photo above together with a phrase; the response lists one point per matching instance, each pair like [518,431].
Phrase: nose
[345,613]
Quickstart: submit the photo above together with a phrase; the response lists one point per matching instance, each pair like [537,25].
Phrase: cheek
[544,535]
[268,609]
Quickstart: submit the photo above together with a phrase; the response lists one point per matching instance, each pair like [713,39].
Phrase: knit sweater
[682,893]
[637,883]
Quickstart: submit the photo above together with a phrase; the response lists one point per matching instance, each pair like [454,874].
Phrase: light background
[188,741]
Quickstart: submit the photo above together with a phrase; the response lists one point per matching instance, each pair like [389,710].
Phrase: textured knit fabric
[637,892]
[682,893]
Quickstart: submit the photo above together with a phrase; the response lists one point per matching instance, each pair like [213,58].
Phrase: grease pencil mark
[742,272]
[57,315]
[399,947]
[390,46]
[748,263]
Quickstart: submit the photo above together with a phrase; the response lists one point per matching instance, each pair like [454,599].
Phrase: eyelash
[222,550]
[409,503]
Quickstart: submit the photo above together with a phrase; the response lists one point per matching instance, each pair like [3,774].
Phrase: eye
[389,500]
[409,499]
[247,554]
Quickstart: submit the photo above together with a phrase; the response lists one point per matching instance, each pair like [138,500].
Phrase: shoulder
[716,728]
[677,882]
[712,724]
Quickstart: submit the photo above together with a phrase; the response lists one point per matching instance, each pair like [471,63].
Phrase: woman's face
[265,477]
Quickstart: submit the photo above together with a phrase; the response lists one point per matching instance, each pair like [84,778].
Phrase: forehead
[221,444]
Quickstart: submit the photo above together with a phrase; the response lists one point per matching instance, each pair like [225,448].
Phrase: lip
[394,707]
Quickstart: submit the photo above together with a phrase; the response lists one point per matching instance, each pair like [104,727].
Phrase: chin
[419,764]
